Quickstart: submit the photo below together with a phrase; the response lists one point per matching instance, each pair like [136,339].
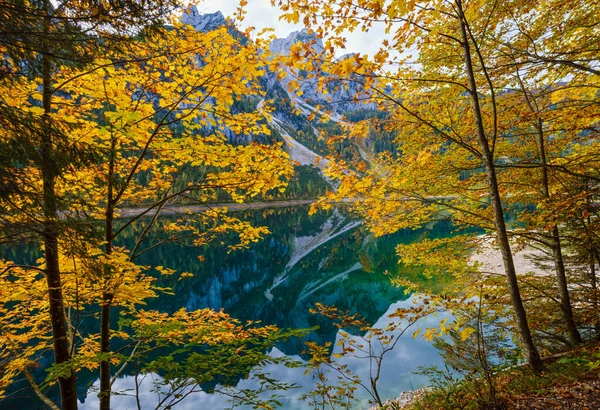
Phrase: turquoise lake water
[328,258]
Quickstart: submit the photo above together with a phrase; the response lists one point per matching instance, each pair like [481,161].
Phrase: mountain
[203,22]
[297,117]
[283,45]
[340,97]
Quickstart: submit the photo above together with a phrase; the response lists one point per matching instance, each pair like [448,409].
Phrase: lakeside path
[178,209]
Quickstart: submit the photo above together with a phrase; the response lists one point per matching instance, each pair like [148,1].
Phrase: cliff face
[338,98]
[283,45]
[203,22]
[294,111]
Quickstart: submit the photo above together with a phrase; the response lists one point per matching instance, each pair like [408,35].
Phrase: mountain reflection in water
[326,258]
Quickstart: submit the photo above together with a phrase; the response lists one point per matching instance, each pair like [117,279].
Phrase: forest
[467,137]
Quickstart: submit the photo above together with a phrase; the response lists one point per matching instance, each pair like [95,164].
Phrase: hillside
[304,118]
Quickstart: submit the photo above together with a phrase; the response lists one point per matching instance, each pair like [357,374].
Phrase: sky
[261,14]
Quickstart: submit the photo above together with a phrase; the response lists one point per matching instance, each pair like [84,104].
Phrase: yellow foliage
[163,109]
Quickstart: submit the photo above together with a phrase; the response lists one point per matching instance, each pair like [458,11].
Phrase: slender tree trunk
[533,356]
[594,285]
[561,277]
[557,256]
[107,296]
[594,257]
[559,264]
[105,389]
[67,384]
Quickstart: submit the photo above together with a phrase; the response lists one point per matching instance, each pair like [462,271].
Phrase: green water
[327,258]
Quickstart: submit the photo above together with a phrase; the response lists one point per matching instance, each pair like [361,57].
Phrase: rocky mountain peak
[282,45]
[203,22]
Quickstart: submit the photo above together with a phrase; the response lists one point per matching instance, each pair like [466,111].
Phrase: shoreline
[490,259]
[490,262]
[231,206]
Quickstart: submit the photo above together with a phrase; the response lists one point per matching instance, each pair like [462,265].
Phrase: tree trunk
[104,394]
[594,285]
[62,354]
[531,352]
[561,277]
[107,296]
[559,264]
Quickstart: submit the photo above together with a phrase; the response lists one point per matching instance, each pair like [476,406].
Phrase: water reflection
[397,375]
[325,258]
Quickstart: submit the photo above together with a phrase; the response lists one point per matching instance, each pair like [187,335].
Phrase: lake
[328,258]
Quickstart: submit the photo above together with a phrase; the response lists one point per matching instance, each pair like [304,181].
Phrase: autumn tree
[205,73]
[445,111]
[38,38]
[554,73]
[155,104]
[497,107]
